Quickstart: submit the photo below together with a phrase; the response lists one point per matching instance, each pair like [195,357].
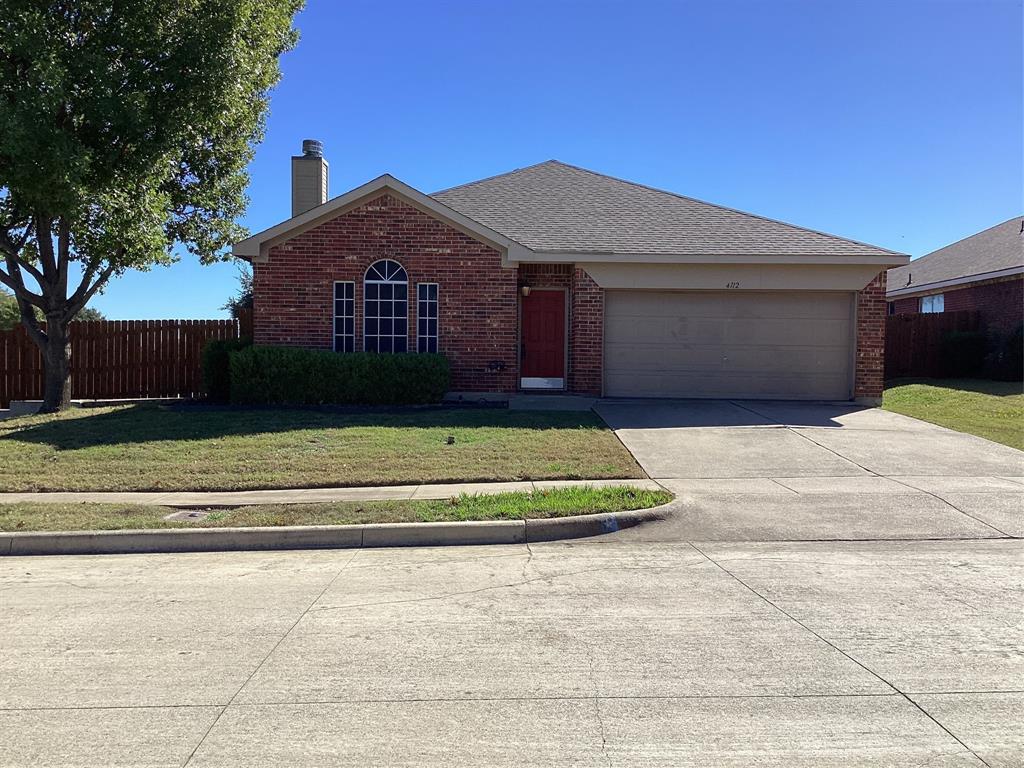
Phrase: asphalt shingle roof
[556,207]
[996,248]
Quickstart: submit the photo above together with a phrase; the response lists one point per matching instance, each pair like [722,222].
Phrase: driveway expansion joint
[849,656]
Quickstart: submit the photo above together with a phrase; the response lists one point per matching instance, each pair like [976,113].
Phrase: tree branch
[28,319]
[17,285]
[44,237]
[76,304]
[63,255]
[10,249]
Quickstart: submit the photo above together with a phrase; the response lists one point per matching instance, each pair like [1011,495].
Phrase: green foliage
[963,353]
[216,367]
[293,376]
[134,122]
[125,131]
[10,315]
[1006,362]
[243,299]
[89,314]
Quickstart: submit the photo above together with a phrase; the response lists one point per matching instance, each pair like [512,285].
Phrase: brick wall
[907,306]
[869,373]
[546,275]
[586,343]
[477,297]
[1000,302]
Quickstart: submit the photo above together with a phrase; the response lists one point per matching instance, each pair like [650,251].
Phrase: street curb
[323,536]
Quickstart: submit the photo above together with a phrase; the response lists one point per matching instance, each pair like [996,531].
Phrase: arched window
[386,307]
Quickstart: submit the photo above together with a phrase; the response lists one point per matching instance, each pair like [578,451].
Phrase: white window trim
[931,300]
[392,318]
[436,336]
[334,314]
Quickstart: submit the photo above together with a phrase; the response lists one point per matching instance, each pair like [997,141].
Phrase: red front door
[543,339]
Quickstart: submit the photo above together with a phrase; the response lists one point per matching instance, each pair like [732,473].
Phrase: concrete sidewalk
[311,495]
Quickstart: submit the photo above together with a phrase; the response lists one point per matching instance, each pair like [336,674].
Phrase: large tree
[125,128]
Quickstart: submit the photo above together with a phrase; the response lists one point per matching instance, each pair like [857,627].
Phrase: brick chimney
[309,177]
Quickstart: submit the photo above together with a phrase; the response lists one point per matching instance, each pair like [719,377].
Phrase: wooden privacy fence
[115,359]
[913,343]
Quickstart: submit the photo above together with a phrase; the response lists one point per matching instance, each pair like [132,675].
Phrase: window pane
[432,291]
[386,308]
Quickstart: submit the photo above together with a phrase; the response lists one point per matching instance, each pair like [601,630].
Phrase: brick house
[983,272]
[557,278]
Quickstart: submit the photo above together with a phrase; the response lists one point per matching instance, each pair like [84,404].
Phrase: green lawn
[989,409]
[558,502]
[148,447]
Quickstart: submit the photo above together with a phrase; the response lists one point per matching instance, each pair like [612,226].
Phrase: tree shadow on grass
[149,423]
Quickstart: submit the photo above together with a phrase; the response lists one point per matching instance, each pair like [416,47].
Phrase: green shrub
[294,376]
[963,353]
[1006,362]
[216,370]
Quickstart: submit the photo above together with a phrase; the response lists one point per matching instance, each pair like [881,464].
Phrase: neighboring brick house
[557,278]
[983,272]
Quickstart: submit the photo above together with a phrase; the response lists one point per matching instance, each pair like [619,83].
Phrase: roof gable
[558,208]
[257,246]
[989,253]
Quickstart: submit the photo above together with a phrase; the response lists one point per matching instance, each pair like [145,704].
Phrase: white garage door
[794,345]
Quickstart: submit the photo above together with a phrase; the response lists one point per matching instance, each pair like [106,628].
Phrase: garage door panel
[728,344]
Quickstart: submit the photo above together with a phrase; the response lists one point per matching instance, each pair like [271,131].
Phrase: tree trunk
[57,364]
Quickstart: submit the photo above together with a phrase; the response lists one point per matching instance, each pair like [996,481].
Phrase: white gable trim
[257,247]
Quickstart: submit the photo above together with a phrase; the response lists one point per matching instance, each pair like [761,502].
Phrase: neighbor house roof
[994,252]
[553,207]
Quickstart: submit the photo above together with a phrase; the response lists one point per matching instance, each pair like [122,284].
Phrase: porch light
[525,290]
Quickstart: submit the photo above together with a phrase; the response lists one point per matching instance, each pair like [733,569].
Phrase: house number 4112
[732,285]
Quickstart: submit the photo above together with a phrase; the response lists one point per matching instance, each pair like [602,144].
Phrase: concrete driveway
[756,470]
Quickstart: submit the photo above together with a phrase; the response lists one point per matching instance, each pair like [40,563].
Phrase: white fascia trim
[256,246]
[955,281]
[570,257]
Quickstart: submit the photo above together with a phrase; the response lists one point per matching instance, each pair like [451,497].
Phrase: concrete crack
[835,647]
[510,585]
[269,653]
[955,508]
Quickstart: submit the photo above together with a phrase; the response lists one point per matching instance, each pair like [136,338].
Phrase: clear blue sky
[898,122]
